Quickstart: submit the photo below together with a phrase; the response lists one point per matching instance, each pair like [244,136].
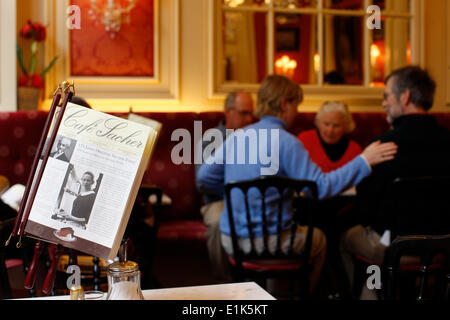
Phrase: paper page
[13,196]
[105,151]
[386,238]
[157,126]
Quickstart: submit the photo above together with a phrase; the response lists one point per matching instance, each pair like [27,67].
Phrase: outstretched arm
[297,164]
[378,152]
[73,174]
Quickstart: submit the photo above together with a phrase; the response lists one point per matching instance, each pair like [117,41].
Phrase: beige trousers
[318,248]
[218,258]
[363,241]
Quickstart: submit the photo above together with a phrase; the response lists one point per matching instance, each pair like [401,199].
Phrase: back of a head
[272,91]
[81,102]
[419,83]
[230,100]
[334,77]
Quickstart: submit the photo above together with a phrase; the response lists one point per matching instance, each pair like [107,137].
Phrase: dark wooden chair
[414,206]
[269,264]
[424,261]
[419,205]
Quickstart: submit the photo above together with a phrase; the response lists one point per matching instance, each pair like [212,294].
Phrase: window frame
[448,57]
[364,95]
[8,58]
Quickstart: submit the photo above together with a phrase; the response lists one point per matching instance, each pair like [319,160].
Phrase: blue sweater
[287,157]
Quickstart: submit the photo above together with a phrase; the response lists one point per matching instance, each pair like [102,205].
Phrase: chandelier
[111,15]
[285,66]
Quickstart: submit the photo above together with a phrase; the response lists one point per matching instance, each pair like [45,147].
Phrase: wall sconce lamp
[112,15]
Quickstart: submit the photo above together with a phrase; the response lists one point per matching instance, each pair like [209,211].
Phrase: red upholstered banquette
[20,133]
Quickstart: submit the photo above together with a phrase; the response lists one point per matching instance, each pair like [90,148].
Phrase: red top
[312,144]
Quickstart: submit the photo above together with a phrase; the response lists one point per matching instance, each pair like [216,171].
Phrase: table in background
[229,291]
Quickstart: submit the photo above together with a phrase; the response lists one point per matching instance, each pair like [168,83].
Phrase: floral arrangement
[36,32]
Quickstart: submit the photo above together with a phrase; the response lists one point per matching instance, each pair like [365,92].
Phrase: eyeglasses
[243,112]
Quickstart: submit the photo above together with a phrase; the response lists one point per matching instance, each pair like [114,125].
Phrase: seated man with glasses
[238,112]
[423,150]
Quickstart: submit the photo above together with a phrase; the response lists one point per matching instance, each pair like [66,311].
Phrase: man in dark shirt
[238,113]
[423,150]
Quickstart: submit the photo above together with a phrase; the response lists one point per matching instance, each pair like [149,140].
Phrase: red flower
[39,31]
[34,80]
[35,31]
[27,30]
[23,81]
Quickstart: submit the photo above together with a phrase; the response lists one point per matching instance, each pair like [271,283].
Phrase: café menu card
[90,181]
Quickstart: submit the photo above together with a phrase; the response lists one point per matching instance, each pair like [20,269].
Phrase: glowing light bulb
[285,66]
[316,62]
[374,54]
[234,3]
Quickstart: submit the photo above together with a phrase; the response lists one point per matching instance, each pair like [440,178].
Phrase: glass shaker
[124,281]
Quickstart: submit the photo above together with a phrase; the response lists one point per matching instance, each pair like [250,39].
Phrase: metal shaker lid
[123,267]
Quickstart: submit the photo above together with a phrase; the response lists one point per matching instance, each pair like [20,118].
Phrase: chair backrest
[286,189]
[419,205]
[433,256]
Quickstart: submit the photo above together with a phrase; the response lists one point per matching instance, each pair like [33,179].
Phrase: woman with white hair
[328,145]
[330,148]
